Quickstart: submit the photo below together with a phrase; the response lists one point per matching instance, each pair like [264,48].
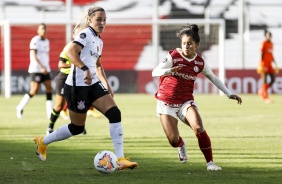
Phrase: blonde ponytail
[83,22]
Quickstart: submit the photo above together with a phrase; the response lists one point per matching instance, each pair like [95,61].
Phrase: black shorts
[40,77]
[80,98]
[60,83]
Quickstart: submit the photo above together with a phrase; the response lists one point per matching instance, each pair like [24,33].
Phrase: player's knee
[113,115]
[75,130]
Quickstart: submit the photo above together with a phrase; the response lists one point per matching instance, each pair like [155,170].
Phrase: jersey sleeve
[81,39]
[164,68]
[215,80]
[33,44]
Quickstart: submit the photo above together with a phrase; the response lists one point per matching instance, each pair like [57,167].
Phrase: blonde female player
[86,86]
[177,73]
[64,69]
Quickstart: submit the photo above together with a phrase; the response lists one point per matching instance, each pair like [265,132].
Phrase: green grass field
[246,139]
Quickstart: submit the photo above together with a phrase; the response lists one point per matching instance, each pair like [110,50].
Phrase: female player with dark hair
[39,70]
[178,72]
[265,67]
[86,86]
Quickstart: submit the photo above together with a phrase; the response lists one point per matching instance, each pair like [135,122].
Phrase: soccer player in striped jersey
[175,100]
[265,67]
[39,70]
[86,86]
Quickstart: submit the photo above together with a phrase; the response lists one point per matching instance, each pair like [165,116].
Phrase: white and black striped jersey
[92,47]
[42,46]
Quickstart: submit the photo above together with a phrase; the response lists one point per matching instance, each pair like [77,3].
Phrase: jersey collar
[93,31]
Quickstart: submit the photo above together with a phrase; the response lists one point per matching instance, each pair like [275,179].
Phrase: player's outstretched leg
[49,130]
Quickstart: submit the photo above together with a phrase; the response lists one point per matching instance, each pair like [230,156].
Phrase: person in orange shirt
[265,67]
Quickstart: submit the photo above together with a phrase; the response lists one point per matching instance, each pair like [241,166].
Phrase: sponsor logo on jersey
[185,76]
[81,105]
[196,69]
[199,63]
[94,54]
[82,35]
[177,60]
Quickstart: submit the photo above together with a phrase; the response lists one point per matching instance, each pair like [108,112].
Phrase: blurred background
[139,34]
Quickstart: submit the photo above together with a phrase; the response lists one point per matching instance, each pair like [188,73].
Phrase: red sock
[179,143]
[264,90]
[205,145]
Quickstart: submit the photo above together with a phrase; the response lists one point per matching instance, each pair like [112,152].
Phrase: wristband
[84,68]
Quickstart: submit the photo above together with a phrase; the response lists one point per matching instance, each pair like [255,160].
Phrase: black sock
[53,118]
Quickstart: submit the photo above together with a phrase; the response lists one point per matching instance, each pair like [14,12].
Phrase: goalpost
[155,24]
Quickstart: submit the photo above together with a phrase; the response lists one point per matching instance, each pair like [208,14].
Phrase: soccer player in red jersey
[178,72]
[265,67]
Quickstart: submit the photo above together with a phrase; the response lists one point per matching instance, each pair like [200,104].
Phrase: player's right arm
[73,55]
[165,67]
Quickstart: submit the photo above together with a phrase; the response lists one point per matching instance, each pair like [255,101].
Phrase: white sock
[117,138]
[23,102]
[61,133]
[49,108]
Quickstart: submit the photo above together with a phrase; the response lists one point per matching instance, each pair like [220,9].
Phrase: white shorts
[174,110]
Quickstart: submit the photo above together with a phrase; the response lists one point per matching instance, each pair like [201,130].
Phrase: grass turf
[246,143]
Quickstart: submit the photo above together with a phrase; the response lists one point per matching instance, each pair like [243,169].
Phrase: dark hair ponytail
[189,30]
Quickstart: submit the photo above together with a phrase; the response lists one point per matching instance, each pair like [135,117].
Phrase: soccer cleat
[124,163]
[41,147]
[19,113]
[64,115]
[49,131]
[212,167]
[182,153]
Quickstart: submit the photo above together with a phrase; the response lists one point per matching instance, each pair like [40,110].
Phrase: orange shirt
[266,49]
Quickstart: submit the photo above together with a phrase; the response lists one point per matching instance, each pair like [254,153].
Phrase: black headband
[91,11]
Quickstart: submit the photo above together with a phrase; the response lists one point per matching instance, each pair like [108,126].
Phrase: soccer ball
[105,162]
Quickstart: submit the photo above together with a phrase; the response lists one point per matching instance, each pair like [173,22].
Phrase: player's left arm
[102,76]
[219,84]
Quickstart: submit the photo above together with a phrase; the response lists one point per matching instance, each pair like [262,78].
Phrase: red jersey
[178,87]
[267,49]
